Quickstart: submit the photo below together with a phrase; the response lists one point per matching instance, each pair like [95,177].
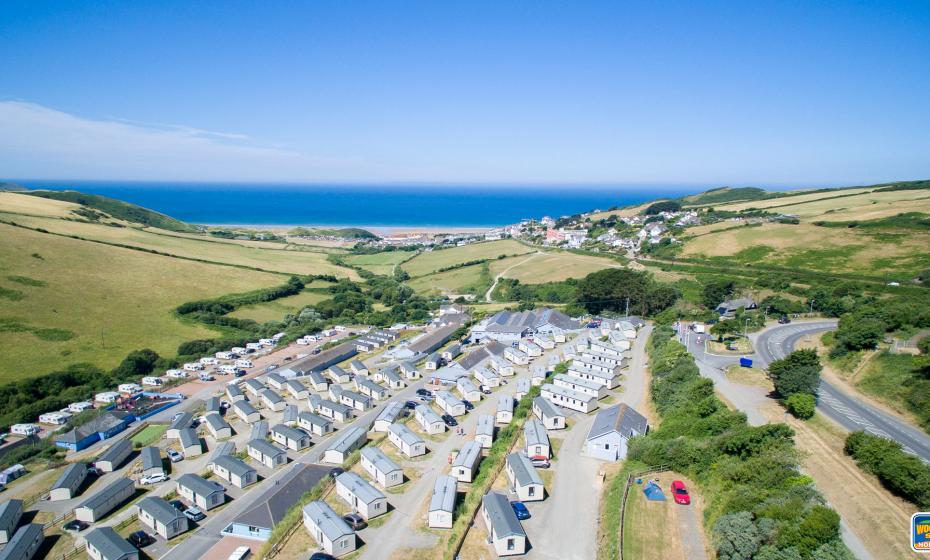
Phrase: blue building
[100,428]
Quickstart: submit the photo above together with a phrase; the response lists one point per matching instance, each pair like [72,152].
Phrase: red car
[680,493]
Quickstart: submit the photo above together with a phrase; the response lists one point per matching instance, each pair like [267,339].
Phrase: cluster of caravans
[227,362]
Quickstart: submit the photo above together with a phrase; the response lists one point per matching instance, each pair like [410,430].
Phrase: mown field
[64,301]
[468,279]
[276,310]
[379,263]
[550,267]
[432,261]
[25,204]
[266,256]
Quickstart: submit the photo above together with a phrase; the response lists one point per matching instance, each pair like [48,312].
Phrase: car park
[140,539]
[194,514]
[680,493]
[356,521]
[519,509]
[74,526]
[153,479]
[173,455]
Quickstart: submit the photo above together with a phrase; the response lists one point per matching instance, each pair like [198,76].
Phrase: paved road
[845,409]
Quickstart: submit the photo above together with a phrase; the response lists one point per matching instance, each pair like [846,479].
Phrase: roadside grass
[889,377]
[106,296]
[550,267]
[748,376]
[426,263]
[149,435]
[277,309]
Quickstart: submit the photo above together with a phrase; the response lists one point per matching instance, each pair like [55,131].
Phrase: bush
[901,473]
[798,372]
[801,405]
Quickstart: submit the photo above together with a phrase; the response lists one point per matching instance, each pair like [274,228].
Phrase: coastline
[378,230]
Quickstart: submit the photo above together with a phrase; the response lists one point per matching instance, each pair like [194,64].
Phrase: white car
[153,479]
[240,553]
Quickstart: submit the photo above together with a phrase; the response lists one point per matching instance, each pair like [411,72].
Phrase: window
[532,491]
[510,544]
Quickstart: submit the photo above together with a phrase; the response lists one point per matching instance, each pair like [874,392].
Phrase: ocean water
[383,206]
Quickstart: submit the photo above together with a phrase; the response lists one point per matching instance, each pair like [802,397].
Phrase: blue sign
[920,532]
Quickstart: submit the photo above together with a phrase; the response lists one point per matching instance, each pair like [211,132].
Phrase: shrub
[798,372]
[901,473]
[801,405]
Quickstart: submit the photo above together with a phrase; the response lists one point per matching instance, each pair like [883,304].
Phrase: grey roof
[390,412]
[734,304]
[485,425]
[245,407]
[216,421]
[356,396]
[109,543]
[326,358]
[535,433]
[523,385]
[453,349]
[466,385]
[10,510]
[434,358]
[212,404]
[317,378]
[470,452]
[338,371]
[271,396]
[347,439]
[255,384]
[117,451]
[569,393]
[199,485]
[188,437]
[444,494]
[428,413]
[160,509]
[259,430]
[233,391]
[523,470]
[405,434]
[381,461]
[265,448]
[223,448]
[474,358]
[289,432]
[359,487]
[548,409]
[116,487]
[314,419]
[274,377]
[74,472]
[517,322]
[296,385]
[290,413]
[358,365]
[275,502]
[19,544]
[621,419]
[234,465]
[505,402]
[182,421]
[151,458]
[335,406]
[503,520]
[102,423]
[433,340]
[448,398]
[328,521]
[581,382]
[391,375]
[371,385]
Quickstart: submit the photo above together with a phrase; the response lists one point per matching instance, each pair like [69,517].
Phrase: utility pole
[627,306]
[812,306]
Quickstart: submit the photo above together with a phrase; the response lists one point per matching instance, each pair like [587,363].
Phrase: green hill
[118,209]
[726,194]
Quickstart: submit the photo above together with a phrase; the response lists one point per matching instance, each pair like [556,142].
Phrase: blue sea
[384,206]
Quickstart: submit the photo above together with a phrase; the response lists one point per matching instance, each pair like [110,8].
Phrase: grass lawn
[267,256]
[277,309]
[88,302]
[425,263]
[736,346]
[748,376]
[550,267]
[150,434]
[468,279]
[380,263]
[650,529]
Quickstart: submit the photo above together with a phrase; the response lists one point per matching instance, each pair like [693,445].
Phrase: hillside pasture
[432,261]
[275,259]
[379,263]
[550,267]
[35,206]
[277,309]
[77,301]
[801,197]
[468,279]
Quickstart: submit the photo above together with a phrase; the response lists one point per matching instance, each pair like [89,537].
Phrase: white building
[612,429]
[536,439]
[484,430]
[524,480]
[429,420]
[361,496]
[442,503]
[550,415]
[449,404]
[465,464]
[329,530]
[406,441]
[382,469]
[504,409]
[566,398]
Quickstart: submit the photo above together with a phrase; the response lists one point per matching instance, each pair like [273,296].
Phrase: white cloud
[39,142]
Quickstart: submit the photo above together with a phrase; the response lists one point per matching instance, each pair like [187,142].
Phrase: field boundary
[626,493]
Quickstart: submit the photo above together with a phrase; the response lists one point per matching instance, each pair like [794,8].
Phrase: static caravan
[505,532]
[274,380]
[292,438]
[567,398]
[265,453]
[289,416]
[433,361]
[531,349]
[183,421]
[234,471]
[24,543]
[516,356]
[544,342]
[234,393]
[388,415]
[524,480]
[523,387]
[152,464]
[409,371]
[161,517]
[54,418]
[105,501]
[501,366]
[338,375]
[244,363]
[584,386]
[152,381]
[538,377]
[406,441]
[468,390]
[314,423]
[465,464]
[190,443]
[67,486]
[349,440]
[371,389]
[333,410]
[358,368]
[272,400]
[203,493]
[504,409]
[246,411]
[536,439]
[382,469]
[107,397]
[608,379]
[393,379]
[115,455]
[317,381]
[193,366]
[484,431]
[442,503]
[329,530]
[549,414]
[449,404]
[452,352]
[254,386]
[219,428]
[11,511]
[297,389]
[486,377]
[429,420]
[356,400]
[361,496]
[104,543]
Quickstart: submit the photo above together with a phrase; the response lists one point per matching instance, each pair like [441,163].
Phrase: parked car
[485,389]
[140,539]
[356,521]
[153,479]
[784,320]
[468,405]
[321,556]
[288,358]
[315,351]
[173,455]
[540,462]
[519,508]
[449,420]
[680,493]
[206,377]
[410,404]
[194,514]
[424,392]
[240,553]
[426,399]
[74,526]
[271,367]
[94,471]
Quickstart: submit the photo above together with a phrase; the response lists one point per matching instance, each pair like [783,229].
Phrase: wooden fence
[626,492]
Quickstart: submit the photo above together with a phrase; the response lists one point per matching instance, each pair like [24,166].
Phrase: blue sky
[750,93]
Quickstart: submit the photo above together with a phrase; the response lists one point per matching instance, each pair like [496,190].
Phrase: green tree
[662,206]
[722,329]
[610,290]
[737,536]
[858,333]
[801,405]
[717,291]
[798,372]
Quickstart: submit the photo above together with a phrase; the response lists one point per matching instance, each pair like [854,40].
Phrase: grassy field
[150,434]
[550,267]
[379,263]
[650,529]
[25,204]
[75,301]
[274,257]
[276,310]
[457,281]
[802,196]
[426,263]
[623,212]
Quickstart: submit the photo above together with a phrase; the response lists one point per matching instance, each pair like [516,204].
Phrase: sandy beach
[383,231]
